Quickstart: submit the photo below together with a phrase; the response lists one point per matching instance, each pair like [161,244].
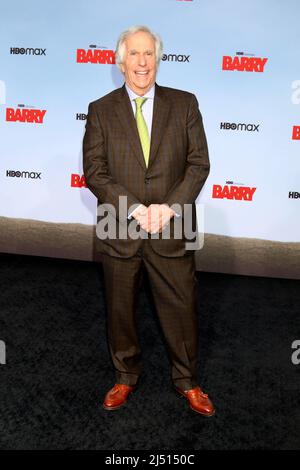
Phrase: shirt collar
[150,94]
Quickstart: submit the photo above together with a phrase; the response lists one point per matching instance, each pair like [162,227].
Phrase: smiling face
[139,66]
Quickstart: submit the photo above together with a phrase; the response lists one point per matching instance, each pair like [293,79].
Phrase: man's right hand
[142,217]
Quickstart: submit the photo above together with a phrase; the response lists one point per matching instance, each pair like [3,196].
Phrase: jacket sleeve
[197,166]
[96,171]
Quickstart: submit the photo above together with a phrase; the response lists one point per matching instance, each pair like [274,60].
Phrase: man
[146,143]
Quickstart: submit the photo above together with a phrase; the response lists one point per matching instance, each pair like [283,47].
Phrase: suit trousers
[174,288]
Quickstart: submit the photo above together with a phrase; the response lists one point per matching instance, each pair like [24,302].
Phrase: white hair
[121,48]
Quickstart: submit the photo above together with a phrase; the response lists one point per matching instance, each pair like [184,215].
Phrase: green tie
[142,128]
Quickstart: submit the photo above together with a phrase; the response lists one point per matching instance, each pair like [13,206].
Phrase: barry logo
[95,55]
[239,193]
[296,133]
[243,64]
[77,181]
[21,114]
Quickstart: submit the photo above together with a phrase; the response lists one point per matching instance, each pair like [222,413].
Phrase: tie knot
[139,102]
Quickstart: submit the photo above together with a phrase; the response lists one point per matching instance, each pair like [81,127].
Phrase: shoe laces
[119,388]
[199,391]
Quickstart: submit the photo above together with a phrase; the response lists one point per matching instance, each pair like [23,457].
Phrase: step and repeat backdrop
[242,62]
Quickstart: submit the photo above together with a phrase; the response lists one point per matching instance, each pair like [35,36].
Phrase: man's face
[139,66]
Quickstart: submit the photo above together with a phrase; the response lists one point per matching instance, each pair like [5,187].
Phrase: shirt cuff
[175,213]
[131,214]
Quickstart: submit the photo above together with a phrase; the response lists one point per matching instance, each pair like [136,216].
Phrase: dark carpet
[53,321]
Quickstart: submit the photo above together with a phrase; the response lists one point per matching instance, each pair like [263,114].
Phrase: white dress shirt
[147,108]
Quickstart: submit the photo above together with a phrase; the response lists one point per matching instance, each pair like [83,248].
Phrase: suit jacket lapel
[127,119]
[161,108]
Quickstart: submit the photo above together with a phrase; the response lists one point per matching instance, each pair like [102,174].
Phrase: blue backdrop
[251,115]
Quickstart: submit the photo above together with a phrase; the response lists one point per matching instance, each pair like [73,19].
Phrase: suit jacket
[114,165]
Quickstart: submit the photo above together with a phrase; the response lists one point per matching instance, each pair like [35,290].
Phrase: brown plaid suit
[114,166]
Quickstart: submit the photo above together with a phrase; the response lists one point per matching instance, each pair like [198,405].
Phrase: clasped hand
[153,218]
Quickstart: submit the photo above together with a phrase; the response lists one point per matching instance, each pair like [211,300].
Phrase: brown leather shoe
[116,397]
[198,401]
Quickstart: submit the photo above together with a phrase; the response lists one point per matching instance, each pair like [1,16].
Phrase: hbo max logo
[27,51]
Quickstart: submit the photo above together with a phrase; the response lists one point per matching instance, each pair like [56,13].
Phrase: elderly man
[146,143]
